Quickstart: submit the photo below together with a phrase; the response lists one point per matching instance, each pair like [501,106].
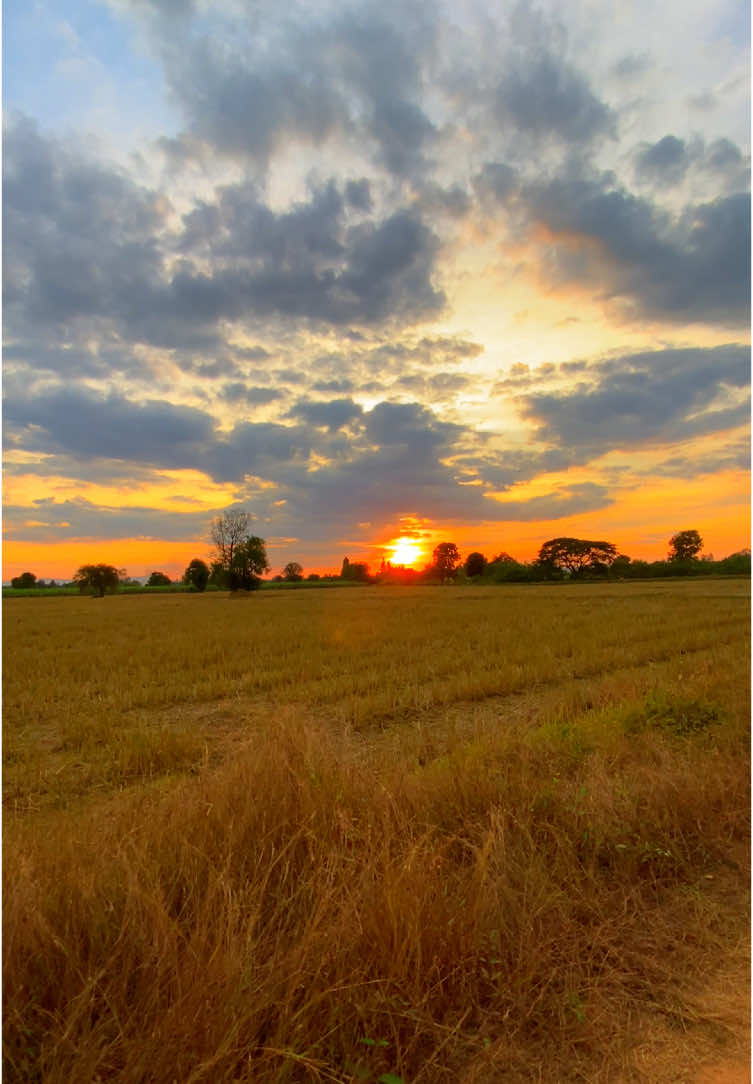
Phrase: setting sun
[405,551]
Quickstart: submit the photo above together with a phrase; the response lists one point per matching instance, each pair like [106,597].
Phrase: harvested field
[429,835]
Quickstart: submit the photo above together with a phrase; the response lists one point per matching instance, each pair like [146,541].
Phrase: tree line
[239,560]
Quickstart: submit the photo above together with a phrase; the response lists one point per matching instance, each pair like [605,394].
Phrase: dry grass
[447,835]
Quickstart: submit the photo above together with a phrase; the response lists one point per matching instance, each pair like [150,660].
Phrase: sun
[405,551]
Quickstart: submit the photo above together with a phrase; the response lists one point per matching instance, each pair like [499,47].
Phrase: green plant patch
[673,715]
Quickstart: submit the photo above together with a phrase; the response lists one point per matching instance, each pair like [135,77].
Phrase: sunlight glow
[405,551]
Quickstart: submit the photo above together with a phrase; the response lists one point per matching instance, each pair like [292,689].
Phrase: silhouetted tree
[239,558]
[737,564]
[227,532]
[25,580]
[249,563]
[158,579]
[196,574]
[357,571]
[577,554]
[99,578]
[685,546]
[475,563]
[621,565]
[293,572]
[446,559]
[503,559]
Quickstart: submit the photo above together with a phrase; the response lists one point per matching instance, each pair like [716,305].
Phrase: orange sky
[717,506]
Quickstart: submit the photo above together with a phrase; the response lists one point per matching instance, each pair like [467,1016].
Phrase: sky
[462,271]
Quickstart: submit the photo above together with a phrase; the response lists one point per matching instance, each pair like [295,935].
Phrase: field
[421,835]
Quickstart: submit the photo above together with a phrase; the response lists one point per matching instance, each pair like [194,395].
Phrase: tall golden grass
[433,835]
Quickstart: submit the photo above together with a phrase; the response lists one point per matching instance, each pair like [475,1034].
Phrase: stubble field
[429,835]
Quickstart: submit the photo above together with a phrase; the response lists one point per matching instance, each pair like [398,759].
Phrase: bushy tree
[685,546]
[239,558]
[25,580]
[503,558]
[249,564]
[577,555]
[621,565]
[737,564]
[446,559]
[475,563]
[293,572]
[98,578]
[158,579]
[196,574]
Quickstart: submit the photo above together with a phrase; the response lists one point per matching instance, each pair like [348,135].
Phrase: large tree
[576,555]
[685,546]
[227,532]
[249,564]
[293,572]
[446,559]
[239,558]
[98,578]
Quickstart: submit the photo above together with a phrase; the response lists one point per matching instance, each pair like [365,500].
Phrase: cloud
[632,64]
[543,96]
[307,263]
[334,415]
[570,500]
[88,253]
[81,423]
[50,520]
[261,81]
[691,267]
[238,392]
[666,161]
[645,399]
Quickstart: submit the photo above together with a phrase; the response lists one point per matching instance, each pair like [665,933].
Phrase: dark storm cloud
[543,96]
[695,267]
[645,399]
